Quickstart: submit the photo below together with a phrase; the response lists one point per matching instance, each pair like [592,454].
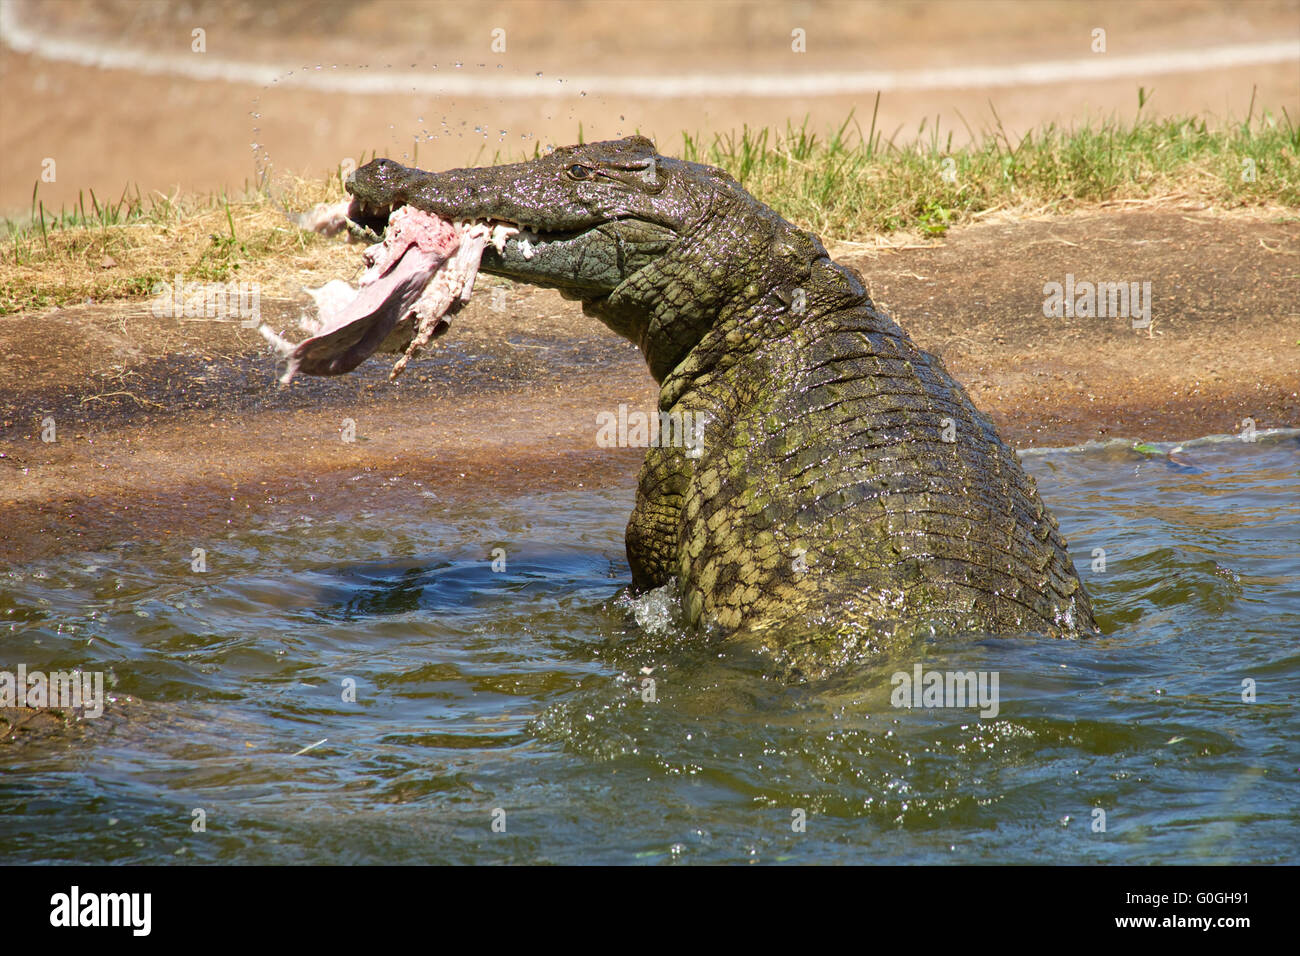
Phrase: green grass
[852,184]
[846,183]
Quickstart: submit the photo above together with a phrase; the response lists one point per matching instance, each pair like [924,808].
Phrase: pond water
[517,696]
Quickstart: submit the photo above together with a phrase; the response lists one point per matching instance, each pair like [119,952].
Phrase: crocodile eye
[579,172]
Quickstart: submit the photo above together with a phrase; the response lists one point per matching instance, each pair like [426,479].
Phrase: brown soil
[107,128]
[38,725]
[175,428]
[1224,341]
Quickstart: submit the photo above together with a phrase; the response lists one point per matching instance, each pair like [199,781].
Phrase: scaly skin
[847,494]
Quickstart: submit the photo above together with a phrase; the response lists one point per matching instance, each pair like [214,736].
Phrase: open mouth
[366,216]
[369,223]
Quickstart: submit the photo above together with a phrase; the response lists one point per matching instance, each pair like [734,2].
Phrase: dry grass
[123,251]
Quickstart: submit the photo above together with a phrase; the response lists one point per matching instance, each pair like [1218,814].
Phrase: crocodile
[845,495]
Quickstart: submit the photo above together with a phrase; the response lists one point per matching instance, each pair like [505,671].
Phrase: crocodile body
[846,493]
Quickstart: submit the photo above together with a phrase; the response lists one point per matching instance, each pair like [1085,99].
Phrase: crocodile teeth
[500,233]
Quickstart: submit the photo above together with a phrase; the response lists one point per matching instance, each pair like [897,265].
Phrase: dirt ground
[107,128]
[170,427]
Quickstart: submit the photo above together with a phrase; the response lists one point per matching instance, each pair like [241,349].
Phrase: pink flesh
[395,301]
[354,334]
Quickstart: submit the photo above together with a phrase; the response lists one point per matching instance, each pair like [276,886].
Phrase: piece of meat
[329,219]
[422,271]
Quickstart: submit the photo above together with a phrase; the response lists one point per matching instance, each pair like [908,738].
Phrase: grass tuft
[852,185]
[846,184]
[125,249]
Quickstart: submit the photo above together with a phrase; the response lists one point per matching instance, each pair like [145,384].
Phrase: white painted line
[381,81]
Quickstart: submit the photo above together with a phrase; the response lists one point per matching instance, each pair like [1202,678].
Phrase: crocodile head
[654,247]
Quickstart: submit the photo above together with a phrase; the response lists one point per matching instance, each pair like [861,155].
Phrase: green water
[521,691]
